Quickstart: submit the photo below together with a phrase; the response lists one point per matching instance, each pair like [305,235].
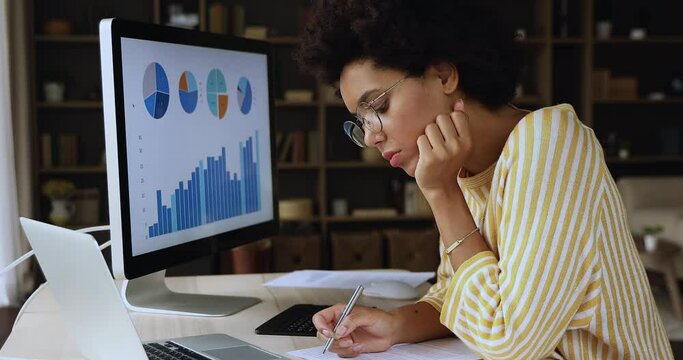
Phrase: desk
[663,260]
[39,331]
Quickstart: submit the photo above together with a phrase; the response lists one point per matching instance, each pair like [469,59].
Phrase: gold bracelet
[459,241]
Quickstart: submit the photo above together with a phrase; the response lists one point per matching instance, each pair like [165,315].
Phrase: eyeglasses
[366,118]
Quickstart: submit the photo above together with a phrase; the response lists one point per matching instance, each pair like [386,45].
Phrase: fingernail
[345,343]
[341,331]
[326,333]
[358,348]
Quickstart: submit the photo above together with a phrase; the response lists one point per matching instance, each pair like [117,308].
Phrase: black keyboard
[171,351]
[295,321]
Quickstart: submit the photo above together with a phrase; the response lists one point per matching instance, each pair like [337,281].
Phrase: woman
[537,259]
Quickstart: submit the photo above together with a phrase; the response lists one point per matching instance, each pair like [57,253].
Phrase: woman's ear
[448,74]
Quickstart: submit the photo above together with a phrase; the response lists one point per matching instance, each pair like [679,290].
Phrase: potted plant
[59,191]
[652,236]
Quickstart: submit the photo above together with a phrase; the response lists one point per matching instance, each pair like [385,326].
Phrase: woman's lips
[392,157]
[395,159]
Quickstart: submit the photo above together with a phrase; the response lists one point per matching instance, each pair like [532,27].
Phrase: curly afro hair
[410,35]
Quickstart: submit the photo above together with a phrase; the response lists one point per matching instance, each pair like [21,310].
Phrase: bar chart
[212,192]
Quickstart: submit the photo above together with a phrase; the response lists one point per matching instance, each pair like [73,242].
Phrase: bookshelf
[559,68]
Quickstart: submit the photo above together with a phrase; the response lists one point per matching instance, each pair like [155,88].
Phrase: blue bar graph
[211,193]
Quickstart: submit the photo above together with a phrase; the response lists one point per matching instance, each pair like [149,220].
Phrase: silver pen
[345,312]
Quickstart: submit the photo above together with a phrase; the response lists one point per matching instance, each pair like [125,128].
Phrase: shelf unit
[638,123]
[559,70]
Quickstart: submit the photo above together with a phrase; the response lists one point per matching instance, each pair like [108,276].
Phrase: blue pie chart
[156,91]
[244,95]
[188,92]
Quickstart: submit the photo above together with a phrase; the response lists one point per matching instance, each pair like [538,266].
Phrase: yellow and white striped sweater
[563,278]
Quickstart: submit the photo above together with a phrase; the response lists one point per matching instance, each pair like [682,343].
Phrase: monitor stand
[149,294]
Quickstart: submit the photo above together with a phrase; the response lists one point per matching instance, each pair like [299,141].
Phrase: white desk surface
[39,332]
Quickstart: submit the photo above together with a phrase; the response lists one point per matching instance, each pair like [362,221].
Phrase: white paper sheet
[325,279]
[442,349]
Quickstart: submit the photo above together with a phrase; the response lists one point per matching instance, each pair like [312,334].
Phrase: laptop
[93,310]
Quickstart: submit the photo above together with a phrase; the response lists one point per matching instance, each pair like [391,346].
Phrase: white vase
[62,211]
[650,243]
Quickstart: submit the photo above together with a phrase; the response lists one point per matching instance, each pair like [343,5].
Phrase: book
[223,18]
[217,16]
[46,151]
[236,20]
[68,149]
[314,147]
[286,147]
[298,147]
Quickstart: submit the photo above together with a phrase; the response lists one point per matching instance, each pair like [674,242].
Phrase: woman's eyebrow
[366,95]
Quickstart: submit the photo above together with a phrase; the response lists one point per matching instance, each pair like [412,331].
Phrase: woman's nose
[372,139]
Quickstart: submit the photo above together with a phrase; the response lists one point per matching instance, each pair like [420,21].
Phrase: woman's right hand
[364,330]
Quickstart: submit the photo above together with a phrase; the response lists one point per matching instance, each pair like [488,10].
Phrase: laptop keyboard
[171,351]
[295,321]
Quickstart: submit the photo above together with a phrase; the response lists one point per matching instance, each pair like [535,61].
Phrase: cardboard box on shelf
[299,95]
[296,209]
[374,212]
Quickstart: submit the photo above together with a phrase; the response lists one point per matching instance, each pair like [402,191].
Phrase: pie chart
[217,93]
[244,95]
[156,91]
[188,92]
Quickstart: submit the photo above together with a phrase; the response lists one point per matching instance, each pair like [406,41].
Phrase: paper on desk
[442,349]
[325,279]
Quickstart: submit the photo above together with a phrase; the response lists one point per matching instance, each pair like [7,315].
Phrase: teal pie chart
[244,95]
[155,90]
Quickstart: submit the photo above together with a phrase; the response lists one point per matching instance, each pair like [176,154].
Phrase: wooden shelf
[76,104]
[74,170]
[534,40]
[285,103]
[302,166]
[646,41]
[638,101]
[569,40]
[356,165]
[314,219]
[645,159]
[358,219]
[284,40]
[82,39]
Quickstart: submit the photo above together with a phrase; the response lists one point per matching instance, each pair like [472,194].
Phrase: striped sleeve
[436,293]
[547,279]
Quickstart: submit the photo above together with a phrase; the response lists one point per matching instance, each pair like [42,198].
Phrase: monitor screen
[188,132]
[198,128]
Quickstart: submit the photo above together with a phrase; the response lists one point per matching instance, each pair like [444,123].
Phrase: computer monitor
[189,152]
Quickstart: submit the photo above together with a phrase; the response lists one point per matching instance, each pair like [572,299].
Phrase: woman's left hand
[443,149]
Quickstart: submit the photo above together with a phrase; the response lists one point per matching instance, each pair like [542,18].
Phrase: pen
[345,312]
